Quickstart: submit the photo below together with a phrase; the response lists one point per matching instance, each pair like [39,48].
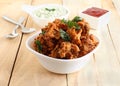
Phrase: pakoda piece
[65,50]
[75,36]
[65,39]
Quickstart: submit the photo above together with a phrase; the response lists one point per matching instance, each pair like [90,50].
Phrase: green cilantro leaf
[76,19]
[39,46]
[43,32]
[64,35]
[49,9]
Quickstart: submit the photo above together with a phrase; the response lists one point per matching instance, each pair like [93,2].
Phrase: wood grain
[114,26]
[109,70]
[88,75]
[19,67]
[106,68]
[117,5]
[8,47]
[28,70]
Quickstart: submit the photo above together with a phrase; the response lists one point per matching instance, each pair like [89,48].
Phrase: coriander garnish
[77,27]
[43,32]
[39,46]
[64,35]
[72,23]
[76,19]
[50,9]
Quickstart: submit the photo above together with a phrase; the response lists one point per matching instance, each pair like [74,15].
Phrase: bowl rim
[47,5]
[28,42]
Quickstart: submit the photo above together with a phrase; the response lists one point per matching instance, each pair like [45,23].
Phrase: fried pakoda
[65,50]
[65,39]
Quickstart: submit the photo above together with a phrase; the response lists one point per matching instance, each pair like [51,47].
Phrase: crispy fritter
[54,44]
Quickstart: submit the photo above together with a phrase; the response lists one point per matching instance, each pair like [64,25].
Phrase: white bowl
[43,20]
[60,66]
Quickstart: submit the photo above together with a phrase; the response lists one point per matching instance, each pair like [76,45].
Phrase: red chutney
[96,12]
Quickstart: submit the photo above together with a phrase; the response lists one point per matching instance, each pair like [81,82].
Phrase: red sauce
[96,12]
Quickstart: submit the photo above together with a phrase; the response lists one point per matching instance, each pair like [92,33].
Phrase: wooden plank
[28,71]
[46,2]
[88,75]
[8,47]
[114,25]
[117,5]
[106,59]
[102,70]
[14,1]
[106,66]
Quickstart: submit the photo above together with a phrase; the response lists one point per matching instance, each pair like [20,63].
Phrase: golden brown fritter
[65,50]
[65,39]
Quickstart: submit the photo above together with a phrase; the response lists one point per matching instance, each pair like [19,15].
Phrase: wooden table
[19,67]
